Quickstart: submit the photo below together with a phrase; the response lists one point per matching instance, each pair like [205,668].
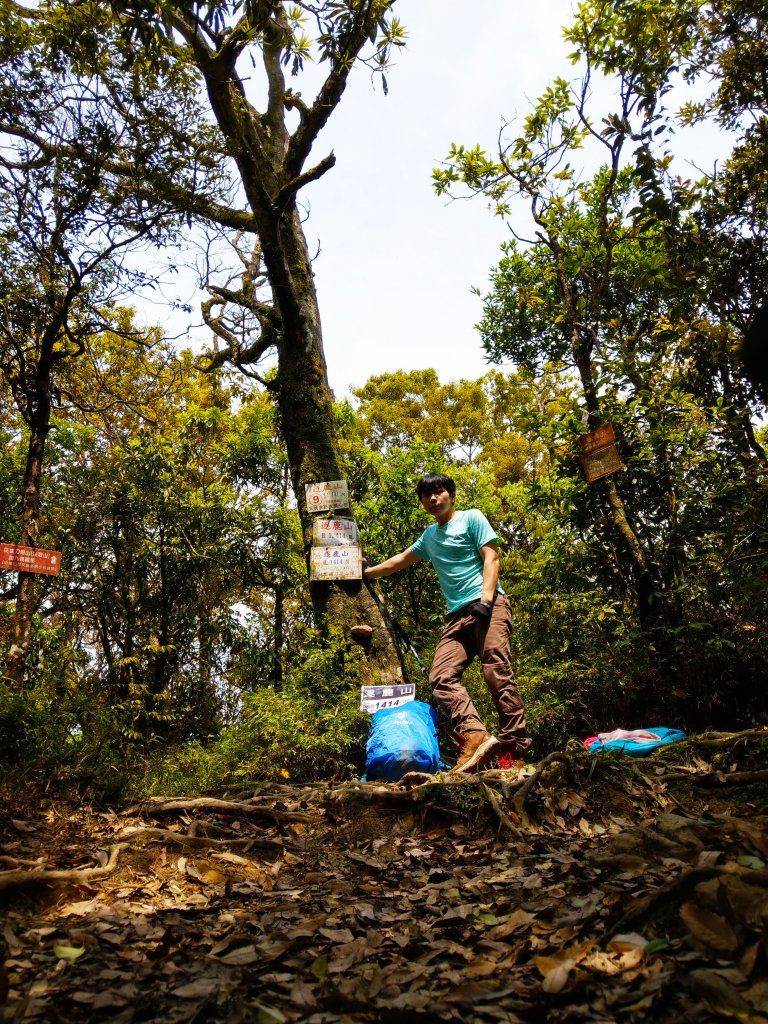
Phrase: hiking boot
[475,747]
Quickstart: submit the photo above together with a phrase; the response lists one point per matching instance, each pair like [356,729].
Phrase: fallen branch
[45,876]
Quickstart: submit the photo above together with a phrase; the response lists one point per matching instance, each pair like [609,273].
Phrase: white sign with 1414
[336,563]
[374,698]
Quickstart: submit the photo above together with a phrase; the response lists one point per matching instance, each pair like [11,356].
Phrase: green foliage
[169,537]
[311,729]
[19,723]
[57,733]
[174,652]
[625,278]
[282,736]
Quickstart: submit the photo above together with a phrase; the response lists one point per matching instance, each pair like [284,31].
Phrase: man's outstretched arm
[390,565]
[490,556]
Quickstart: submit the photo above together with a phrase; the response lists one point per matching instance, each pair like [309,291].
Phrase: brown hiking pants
[465,637]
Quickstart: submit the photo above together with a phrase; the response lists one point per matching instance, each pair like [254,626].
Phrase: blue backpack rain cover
[402,740]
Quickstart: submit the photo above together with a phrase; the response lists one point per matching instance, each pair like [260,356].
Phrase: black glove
[481,610]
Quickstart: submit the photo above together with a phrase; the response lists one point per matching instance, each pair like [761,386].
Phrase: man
[463,548]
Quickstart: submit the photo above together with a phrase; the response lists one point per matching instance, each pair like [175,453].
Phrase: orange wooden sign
[21,559]
[599,454]
[596,439]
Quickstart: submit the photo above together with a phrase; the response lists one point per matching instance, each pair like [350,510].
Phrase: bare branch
[287,192]
[314,119]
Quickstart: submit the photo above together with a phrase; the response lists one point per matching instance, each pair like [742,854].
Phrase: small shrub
[309,730]
[19,725]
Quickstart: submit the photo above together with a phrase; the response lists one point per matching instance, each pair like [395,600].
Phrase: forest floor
[581,889]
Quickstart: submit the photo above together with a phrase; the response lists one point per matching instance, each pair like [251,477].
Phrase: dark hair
[435,482]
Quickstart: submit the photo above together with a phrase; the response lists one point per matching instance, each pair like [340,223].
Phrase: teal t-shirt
[454,551]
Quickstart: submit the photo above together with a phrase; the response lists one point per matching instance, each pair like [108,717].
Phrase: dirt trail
[595,890]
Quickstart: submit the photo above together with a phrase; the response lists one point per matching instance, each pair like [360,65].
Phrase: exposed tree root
[732,778]
[499,811]
[721,778]
[726,739]
[162,835]
[161,805]
[17,862]
[530,784]
[9,879]
[37,875]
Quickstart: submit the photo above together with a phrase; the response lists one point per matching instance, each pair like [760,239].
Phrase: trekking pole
[407,644]
[394,625]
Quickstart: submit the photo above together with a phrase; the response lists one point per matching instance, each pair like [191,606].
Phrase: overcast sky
[396,265]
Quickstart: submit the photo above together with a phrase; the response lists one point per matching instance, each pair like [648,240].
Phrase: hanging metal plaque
[599,454]
[598,438]
[601,463]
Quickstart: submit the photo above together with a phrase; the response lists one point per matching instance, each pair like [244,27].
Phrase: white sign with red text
[334,532]
[327,494]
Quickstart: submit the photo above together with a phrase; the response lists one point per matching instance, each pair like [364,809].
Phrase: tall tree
[611,270]
[239,52]
[69,218]
[731,53]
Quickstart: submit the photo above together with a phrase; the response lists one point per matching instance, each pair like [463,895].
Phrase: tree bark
[630,543]
[270,165]
[21,630]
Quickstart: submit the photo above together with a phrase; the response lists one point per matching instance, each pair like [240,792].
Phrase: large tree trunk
[635,554]
[260,147]
[305,406]
[21,629]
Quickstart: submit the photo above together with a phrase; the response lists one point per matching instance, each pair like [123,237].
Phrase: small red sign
[21,559]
